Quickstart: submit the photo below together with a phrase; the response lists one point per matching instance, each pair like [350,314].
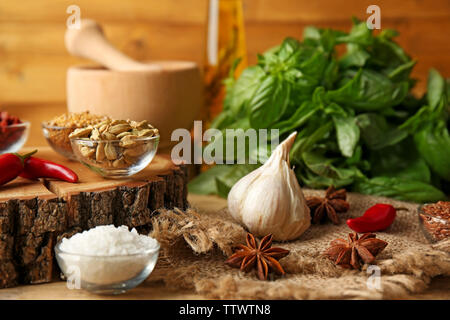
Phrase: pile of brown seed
[58,128]
[76,120]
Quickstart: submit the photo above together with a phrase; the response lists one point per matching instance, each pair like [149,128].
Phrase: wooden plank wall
[33,60]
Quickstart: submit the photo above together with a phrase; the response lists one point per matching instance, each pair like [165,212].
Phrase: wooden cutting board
[34,215]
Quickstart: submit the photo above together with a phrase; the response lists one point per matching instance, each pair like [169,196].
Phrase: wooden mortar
[169,94]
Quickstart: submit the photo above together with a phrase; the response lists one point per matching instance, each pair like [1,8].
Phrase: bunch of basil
[358,125]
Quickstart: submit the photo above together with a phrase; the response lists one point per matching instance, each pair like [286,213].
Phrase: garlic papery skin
[270,200]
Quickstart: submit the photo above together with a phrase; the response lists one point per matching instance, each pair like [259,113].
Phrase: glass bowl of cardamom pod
[115,148]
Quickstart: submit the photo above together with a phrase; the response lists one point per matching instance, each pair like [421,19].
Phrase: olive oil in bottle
[225,42]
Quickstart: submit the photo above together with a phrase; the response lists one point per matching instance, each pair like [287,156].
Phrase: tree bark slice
[34,215]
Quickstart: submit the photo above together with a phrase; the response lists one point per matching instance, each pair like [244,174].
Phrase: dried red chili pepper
[9,131]
[39,168]
[6,120]
[377,218]
[11,165]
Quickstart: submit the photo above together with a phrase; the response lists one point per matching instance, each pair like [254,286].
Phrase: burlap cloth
[195,245]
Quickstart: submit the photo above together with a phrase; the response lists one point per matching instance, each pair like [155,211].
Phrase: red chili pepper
[39,168]
[11,165]
[377,218]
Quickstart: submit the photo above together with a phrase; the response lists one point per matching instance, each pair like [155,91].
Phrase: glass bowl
[113,160]
[13,137]
[434,227]
[106,274]
[58,139]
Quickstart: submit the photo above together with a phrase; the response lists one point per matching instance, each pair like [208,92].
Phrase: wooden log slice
[35,215]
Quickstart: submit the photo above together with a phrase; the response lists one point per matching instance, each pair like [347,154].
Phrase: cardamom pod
[136,151]
[103,128]
[110,151]
[108,136]
[142,125]
[129,141]
[119,163]
[130,159]
[95,134]
[146,133]
[102,123]
[123,134]
[100,152]
[114,122]
[80,133]
[119,128]
[87,152]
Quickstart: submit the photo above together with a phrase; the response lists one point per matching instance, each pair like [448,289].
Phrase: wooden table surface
[439,288]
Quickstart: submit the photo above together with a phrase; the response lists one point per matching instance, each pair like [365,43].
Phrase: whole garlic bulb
[269,199]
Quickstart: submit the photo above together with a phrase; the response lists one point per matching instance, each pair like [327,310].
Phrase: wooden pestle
[89,42]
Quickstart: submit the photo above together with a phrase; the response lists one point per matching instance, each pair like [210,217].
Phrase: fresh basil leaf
[388,34]
[402,189]
[301,90]
[318,164]
[303,113]
[448,91]
[311,33]
[433,143]
[334,109]
[325,174]
[359,34]
[269,102]
[319,182]
[328,39]
[288,48]
[347,133]
[385,52]
[401,161]
[369,90]
[322,166]
[230,136]
[205,183]
[269,61]
[357,160]
[315,66]
[330,74]
[401,72]
[308,137]
[436,88]
[292,75]
[225,182]
[223,120]
[230,81]
[244,88]
[415,122]
[222,188]
[355,57]
[325,39]
[376,132]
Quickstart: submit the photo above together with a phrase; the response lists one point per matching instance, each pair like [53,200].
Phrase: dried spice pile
[435,220]
[195,247]
[9,131]
[58,129]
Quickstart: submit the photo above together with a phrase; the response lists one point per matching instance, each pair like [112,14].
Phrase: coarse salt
[107,255]
[108,241]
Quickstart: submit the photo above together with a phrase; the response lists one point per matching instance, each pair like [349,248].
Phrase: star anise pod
[261,255]
[351,253]
[333,203]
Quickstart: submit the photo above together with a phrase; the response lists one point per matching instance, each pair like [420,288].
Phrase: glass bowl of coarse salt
[107,259]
